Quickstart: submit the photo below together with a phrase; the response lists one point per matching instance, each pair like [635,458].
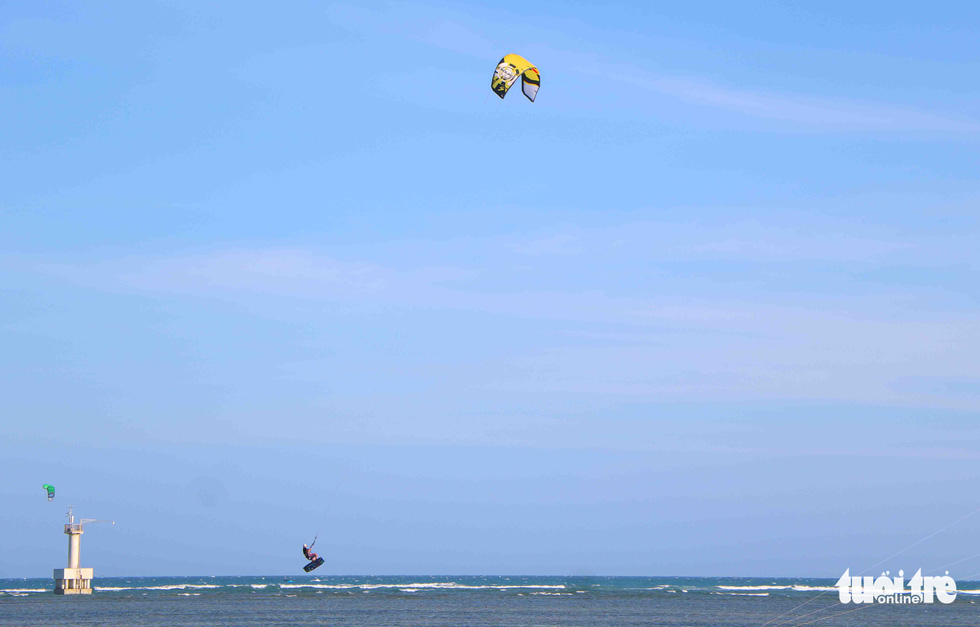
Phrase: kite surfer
[315,560]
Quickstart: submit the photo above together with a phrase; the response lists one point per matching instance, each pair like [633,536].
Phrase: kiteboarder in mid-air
[315,560]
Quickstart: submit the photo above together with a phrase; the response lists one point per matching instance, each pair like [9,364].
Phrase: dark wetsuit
[308,554]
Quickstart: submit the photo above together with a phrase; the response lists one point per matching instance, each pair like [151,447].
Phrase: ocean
[470,601]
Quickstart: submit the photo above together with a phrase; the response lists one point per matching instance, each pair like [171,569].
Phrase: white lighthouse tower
[74,580]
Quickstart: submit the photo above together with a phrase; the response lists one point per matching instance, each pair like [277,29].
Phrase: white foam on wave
[743,594]
[796,588]
[21,590]
[259,586]
[968,591]
[179,586]
[189,594]
[418,586]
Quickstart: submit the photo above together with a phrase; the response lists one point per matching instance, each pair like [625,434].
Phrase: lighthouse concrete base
[73,580]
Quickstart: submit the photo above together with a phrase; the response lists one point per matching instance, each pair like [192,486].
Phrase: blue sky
[707,307]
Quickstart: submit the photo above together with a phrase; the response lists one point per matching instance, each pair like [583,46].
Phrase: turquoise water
[469,600]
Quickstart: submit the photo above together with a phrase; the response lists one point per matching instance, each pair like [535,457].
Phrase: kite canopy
[509,68]
[50,489]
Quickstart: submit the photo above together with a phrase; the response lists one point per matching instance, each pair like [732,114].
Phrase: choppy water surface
[471,601]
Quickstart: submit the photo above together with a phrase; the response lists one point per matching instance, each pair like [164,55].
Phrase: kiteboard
[314,564]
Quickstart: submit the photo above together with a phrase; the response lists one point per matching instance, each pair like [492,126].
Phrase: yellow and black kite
[509,68]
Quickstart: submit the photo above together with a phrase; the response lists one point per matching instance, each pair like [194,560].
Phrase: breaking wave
[439,585]
[178,586]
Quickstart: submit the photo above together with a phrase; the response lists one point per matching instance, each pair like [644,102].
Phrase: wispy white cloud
[747,240]
[292,272]
[811,112]
[562,243]
[464,272]
[767,353]
[680,344]
[808,111]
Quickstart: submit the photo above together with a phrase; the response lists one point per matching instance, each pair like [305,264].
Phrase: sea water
[466,601]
